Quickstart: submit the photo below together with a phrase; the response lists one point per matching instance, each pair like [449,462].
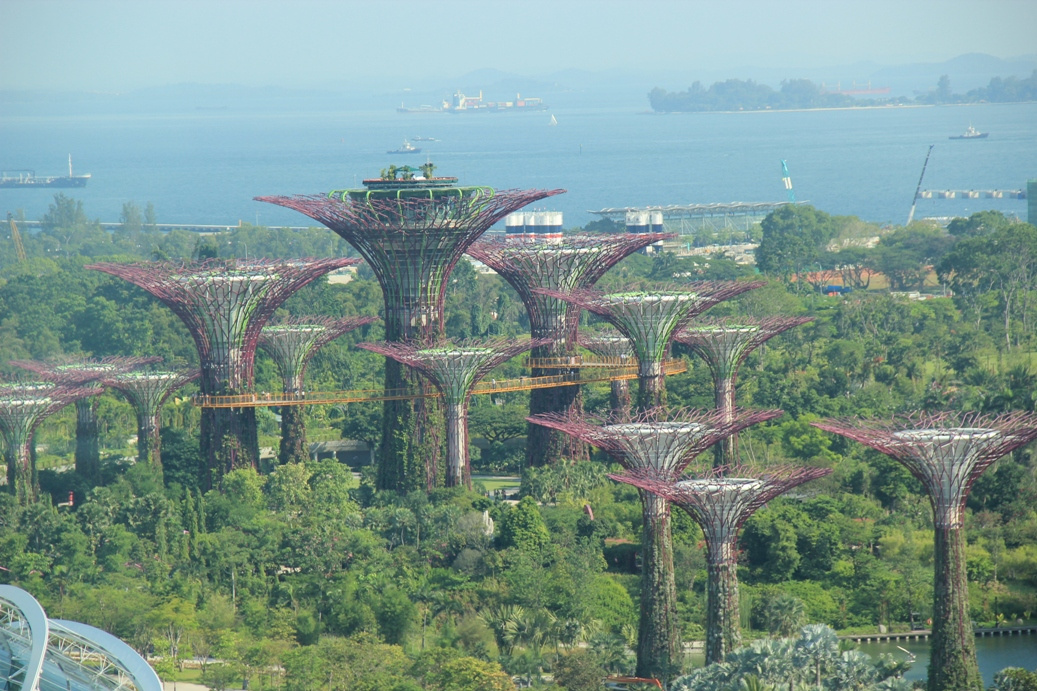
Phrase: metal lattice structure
[651,318]
[412,234]
[73,371]
[725,344]
[454,369]
[224,304]
[147,391]
[575,261]
[663,442]
[23,406]
[609,343]
[720,501]
[291,344]
[947,452]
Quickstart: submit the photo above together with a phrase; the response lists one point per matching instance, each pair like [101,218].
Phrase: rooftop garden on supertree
[575,261]
[77,371]
[224,303]
[720,500]
[650,318]
[663,441]
[291,344]
[947,453]
[146,391]
[23,406]
[725,344]
[412,232]
[455,369]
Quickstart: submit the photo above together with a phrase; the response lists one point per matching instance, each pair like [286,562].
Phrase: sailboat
[554,121]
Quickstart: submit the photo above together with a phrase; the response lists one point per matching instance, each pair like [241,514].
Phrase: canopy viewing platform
[686,219]
[602,373]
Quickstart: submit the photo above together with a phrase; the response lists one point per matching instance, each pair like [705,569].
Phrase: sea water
[205,165]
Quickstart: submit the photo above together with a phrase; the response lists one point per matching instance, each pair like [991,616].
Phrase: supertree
[224,303]
[78,371]
[720,501]
[291,344]
[612,345]
[454,369]
[146,391]
[725,344]
[650,319]
[662,441]
[575,261]
[23,406]
[947,452]
[412,233]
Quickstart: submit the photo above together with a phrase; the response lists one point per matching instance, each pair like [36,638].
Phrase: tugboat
[971,133]
[407,148]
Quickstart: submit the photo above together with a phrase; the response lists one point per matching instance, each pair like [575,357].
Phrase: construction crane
[911,215]
[787,179]
[16,237]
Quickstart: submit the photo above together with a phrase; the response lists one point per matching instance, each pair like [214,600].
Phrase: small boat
[407,148]
[971,133]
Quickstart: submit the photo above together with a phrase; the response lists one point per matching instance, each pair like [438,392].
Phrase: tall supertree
[146,391]
[947,452]
[650,319]
[454,369]
[23,406]
[412,233]
[720,501]
[612,345]
[666,442]
[79,371]
[575,261]
[224,303]
[725,344]
[291,344]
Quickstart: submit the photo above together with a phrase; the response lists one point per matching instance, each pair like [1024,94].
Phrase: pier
[972,194]
[923,634]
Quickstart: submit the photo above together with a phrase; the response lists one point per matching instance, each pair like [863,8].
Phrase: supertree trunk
[149,440]
[88,451]
[659,651]
[294,448]
[723,632]
[619,397]
[651,386]
[543,444]
[952,657]
[22,479]
[458,473]
[726,450]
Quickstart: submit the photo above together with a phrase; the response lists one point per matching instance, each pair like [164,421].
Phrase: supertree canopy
[720,501]
[454,369]
[77,371]
[23,406]
[725,344]
[947,452]
[650,319]
[225,303]
[612,345]
[665,442]
[291,344]
[412,232]
[146,391]
[575,261]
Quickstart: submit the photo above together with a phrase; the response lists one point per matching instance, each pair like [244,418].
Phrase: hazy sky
[123,44]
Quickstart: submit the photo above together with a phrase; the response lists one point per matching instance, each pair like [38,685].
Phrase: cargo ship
[28,178]
[459,103]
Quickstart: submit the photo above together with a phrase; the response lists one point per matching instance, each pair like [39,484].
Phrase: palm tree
[785,615]
[817,647]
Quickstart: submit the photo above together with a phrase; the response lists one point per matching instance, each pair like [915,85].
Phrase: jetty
[924,634]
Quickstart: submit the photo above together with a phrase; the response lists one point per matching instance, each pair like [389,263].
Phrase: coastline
[887,106]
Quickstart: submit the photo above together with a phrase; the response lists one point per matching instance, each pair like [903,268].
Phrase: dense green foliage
[305,577]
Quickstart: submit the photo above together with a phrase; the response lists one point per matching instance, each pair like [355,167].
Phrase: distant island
[799,94]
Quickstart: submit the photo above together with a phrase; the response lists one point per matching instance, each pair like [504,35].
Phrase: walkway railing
[266,399]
